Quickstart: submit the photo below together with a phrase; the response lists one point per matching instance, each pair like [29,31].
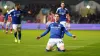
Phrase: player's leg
[0,24]
[68,26]
[19,33]
[15,31]
[60,45]
[7,25]
[10,27]
[50,45]
[3,26]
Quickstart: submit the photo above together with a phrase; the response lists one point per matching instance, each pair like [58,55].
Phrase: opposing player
[64,16]
[50,19]
[2,21]
[55,30]
[9,24]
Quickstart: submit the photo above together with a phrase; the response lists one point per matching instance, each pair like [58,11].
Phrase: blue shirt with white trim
[16,16]
[62,13]
[55,30]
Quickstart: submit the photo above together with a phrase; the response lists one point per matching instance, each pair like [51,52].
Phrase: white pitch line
[38,45]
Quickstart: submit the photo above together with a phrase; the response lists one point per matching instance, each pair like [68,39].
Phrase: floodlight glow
[5,7]
[88,6]
[7,10]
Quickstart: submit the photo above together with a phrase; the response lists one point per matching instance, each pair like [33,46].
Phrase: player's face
[18,6]
[62,5]
[51,12]
[56,17]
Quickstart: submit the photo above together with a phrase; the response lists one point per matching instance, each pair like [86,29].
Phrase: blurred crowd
[89,19]
[76,18]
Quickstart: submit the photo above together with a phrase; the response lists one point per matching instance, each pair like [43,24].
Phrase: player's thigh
[50,43]
[7,24]
[10,25]
[68,24]
[2,23]
[15,27]
[19,27]
[60,44]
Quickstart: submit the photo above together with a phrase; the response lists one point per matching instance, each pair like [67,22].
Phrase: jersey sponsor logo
[56,27]
[62,12]
[17,13]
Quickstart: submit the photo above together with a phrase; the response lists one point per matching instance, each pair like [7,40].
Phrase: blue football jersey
[16,16]
[62,13]
[55,30]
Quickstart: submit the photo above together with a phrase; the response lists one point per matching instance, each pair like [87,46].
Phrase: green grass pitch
[87,44]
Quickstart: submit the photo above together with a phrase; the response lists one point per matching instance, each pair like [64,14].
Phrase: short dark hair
[51,12]
[56,14]
[17,4]
[62,1]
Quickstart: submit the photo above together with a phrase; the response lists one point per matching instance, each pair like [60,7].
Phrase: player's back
[55,30]
[1,18]
[62,13]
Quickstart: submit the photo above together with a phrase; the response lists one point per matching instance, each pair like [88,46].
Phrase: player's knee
[19,32]
[48,50]
[49,47]
[19,29]
[6,27]
[61,50]
[15,30]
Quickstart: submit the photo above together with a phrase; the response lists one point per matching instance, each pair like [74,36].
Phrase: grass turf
[87,44]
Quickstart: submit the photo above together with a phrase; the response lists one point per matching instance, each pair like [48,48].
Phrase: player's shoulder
[52,23]
[66,9]
[12,10]
[20,9]
[59,8]
[61,25]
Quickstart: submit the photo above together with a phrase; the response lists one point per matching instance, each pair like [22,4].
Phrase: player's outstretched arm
[26,12]
[69,34]
[47,31]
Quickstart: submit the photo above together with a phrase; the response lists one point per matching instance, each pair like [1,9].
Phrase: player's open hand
[38,38]
[74,37]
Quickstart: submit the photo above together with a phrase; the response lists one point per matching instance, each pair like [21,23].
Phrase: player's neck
[16,9]
[56,22]
[62,7]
